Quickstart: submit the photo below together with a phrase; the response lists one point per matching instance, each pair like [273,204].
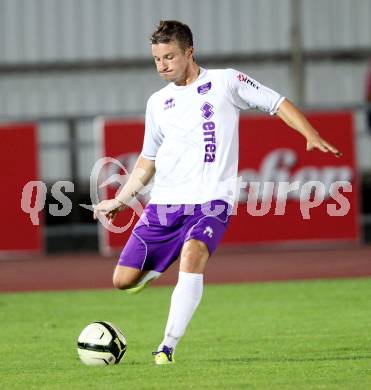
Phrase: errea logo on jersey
[207,111]
[208,132]
[209,231]
[169,103]
[244,79]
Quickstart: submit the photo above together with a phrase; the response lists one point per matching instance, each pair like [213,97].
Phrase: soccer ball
[101,343]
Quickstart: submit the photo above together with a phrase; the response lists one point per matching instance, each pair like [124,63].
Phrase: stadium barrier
[286,195]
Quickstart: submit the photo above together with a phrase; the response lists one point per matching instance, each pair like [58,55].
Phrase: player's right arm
[143,172]
[144,168]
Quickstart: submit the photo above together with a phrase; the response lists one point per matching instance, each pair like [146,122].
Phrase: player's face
[172,61]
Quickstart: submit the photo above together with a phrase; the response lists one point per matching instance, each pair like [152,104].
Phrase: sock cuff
[190,276]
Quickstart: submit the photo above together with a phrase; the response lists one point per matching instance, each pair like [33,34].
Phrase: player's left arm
[293,117]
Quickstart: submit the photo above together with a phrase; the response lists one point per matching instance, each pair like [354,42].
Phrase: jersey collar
[203,72]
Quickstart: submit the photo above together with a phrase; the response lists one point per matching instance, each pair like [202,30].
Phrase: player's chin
[167,76]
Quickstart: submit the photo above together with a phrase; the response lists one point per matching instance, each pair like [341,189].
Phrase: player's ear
[189,52]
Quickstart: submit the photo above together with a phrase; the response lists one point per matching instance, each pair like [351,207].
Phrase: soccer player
[191,149]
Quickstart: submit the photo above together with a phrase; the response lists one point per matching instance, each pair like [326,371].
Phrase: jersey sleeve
[247,93]
[152,134]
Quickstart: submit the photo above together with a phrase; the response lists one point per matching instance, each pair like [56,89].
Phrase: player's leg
[132,279]
[126,277]
[185,298]
[202,234]
[150,250]
[129,273]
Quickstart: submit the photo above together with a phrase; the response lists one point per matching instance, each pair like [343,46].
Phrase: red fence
[18,162]
[270,152]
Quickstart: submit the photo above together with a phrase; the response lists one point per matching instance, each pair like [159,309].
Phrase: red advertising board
[271,152]
[18,161]
[122,140]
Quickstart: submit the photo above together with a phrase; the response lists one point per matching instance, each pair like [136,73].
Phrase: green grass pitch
[284,335]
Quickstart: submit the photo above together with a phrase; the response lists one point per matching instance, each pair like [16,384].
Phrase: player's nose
[161,66]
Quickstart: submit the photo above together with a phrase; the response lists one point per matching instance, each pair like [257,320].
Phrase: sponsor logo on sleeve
[244,79]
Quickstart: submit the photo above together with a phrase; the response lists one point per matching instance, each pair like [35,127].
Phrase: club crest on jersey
[204,88]
[244,79]
[169,103]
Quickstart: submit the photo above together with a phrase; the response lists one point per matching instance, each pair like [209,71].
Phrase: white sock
[184,301]
[148,276]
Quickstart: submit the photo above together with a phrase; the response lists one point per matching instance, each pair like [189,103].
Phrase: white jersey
[192,134]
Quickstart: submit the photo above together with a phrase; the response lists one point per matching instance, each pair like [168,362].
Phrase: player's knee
[126,277]
[194,250]
[194,256]
[121,282]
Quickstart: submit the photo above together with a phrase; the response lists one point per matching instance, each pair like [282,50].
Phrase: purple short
[158,237]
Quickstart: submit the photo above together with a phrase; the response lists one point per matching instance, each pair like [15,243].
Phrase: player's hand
[316,142]
[109,208]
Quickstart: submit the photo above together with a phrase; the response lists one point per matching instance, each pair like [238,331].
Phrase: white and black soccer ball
[101,343]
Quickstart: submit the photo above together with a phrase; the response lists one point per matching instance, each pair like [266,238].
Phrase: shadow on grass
[288,359]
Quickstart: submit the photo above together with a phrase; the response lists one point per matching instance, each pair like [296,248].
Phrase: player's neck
[191,75]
